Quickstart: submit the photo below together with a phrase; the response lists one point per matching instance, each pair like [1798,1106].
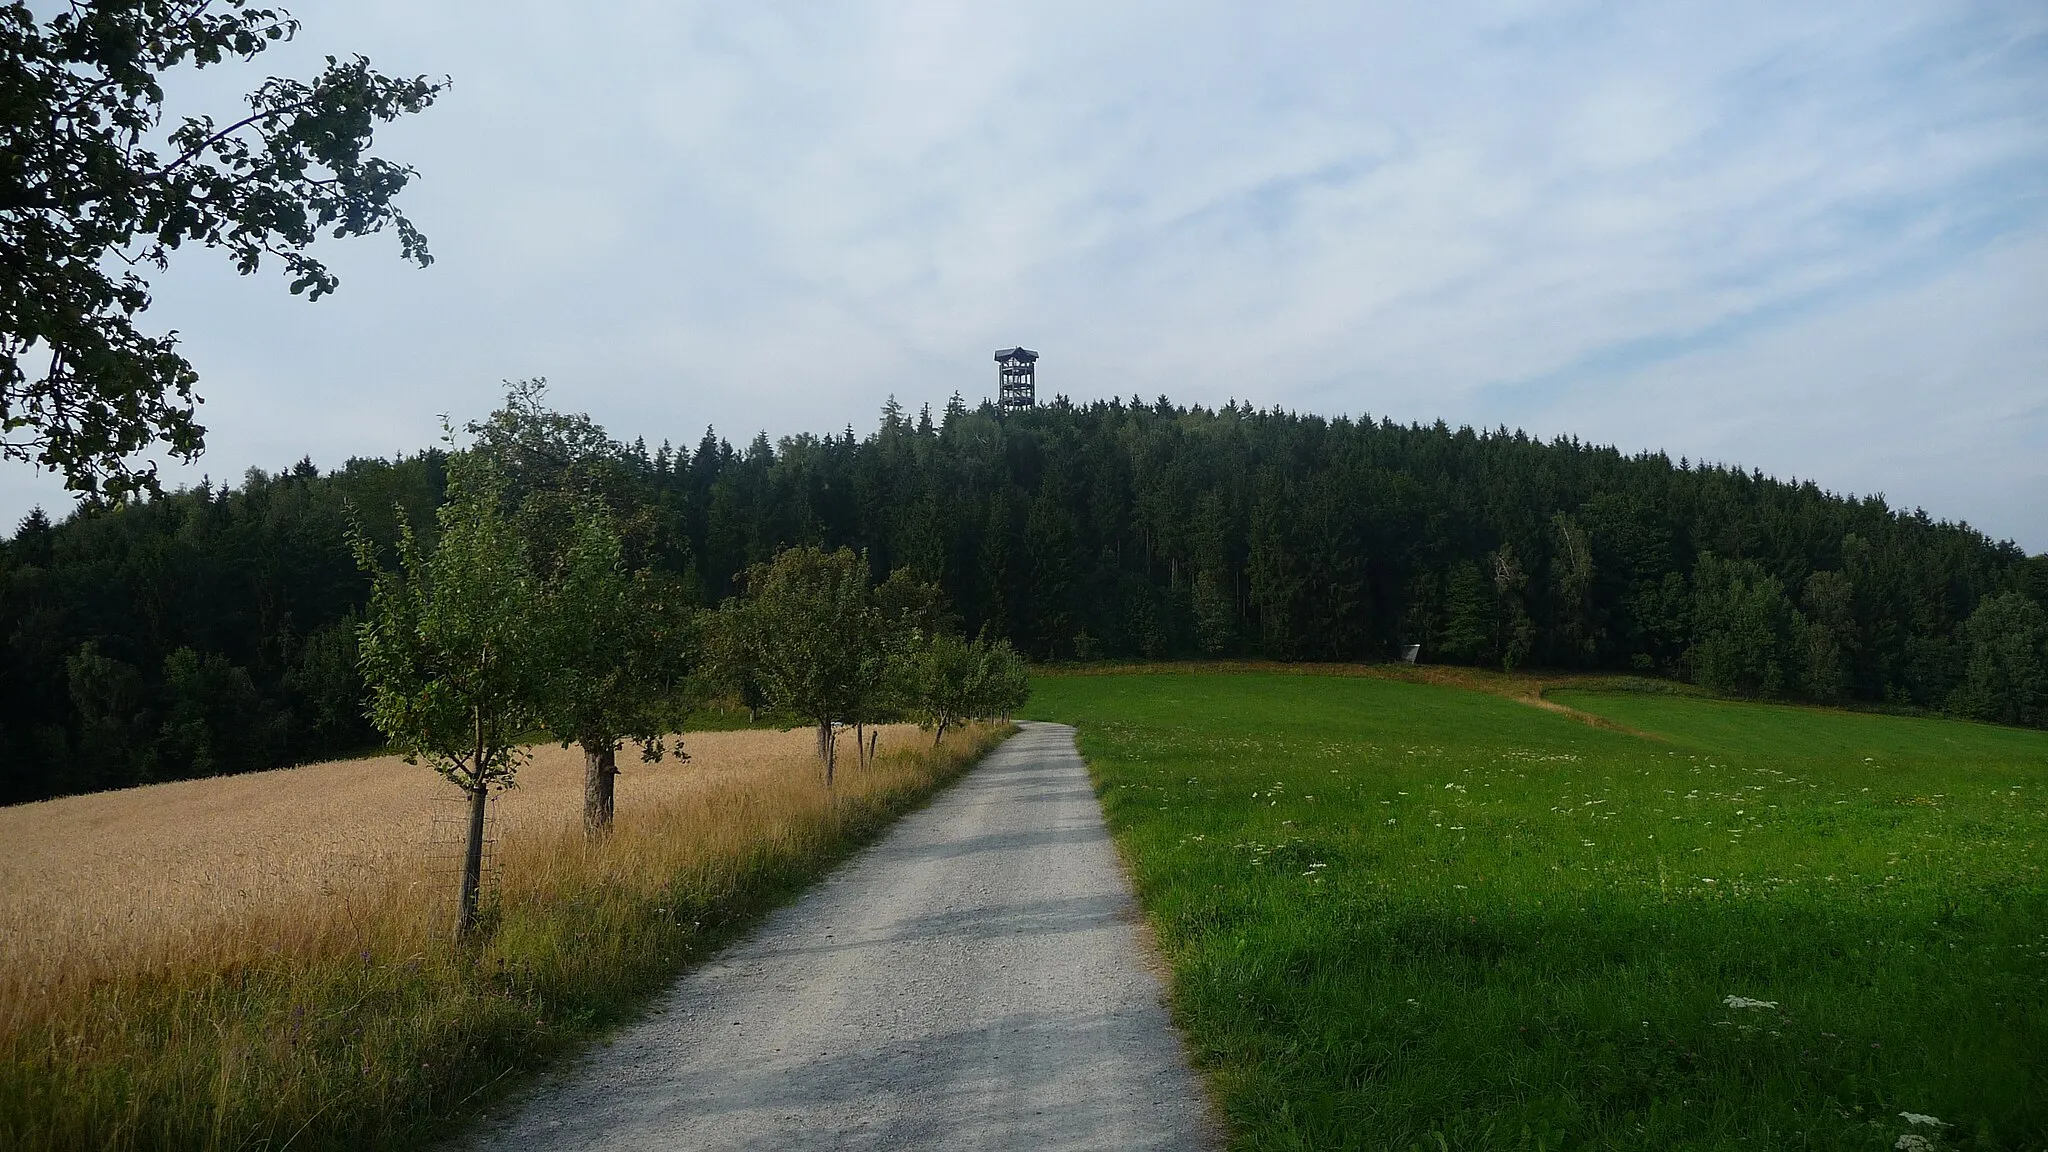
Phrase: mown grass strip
[1403,915]
[371,1034]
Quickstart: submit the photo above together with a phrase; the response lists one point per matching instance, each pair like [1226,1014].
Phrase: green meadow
[1403,915]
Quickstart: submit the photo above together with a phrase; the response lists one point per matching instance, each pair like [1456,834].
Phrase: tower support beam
[1019,386]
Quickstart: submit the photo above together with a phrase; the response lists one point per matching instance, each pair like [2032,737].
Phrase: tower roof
[1024,354]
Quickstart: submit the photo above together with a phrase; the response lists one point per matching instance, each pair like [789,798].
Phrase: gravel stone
[975,980]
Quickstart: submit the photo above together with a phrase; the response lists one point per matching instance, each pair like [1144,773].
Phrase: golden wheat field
[119,880]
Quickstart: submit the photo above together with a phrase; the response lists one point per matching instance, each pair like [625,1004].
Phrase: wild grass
[1401,914]
[258,962]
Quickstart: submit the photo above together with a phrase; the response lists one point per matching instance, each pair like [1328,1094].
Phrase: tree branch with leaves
[89,178]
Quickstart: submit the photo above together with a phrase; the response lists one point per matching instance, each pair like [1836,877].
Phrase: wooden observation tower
[1019,388]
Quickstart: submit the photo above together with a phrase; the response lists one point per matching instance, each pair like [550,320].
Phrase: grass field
[1404,915]
[255,962]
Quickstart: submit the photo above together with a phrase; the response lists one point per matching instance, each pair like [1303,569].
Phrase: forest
[215,629]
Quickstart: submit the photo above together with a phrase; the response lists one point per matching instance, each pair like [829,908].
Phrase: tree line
[216,629]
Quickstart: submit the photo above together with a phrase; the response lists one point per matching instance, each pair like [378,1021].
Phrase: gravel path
[974,980]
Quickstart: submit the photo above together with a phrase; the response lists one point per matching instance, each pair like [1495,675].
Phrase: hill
[211,630]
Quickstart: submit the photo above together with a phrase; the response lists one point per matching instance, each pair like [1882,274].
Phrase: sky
[1810,239]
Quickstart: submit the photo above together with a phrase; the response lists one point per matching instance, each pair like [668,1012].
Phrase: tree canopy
[619,636]
[455,657]
[951,680]
[454,645]
[96,187]
[819,646]
[618,644]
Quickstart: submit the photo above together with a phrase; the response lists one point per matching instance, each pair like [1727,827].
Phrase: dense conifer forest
[213,630]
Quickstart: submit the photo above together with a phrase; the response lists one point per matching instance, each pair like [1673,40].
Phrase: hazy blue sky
[1810,238]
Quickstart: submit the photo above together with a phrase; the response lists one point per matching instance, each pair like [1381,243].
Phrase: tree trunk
[872,738]
[600,771]
[472,864]
[825,748]
[860,744]
[940,736]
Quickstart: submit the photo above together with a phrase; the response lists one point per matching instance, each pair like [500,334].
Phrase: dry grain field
[89,883]
[133,924]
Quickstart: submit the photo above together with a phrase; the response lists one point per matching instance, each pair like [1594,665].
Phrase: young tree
[82,390]
[617,643]
[731,654]
[618,636]
[942,677]
[912,606]
[911,612]
[817,634]
[955,680]
[453,652]
[1001,682]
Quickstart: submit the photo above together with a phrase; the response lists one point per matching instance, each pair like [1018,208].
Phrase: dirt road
[975,980]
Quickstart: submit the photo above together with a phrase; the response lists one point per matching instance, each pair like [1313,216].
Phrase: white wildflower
[1913,1143]
[1923,1119]
[1746,1002]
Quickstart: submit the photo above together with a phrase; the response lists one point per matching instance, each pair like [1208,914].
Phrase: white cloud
[1933,393]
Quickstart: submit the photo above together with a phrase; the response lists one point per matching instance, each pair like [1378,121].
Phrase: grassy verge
[1404,915]
[349,1025]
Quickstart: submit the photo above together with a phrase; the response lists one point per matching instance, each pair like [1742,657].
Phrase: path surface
[974,980]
